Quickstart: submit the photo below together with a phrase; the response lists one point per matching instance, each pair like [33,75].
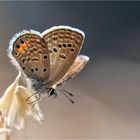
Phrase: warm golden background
[107,91]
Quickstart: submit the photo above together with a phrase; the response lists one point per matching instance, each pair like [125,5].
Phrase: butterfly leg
[38,95]
[34,102]
[32,96]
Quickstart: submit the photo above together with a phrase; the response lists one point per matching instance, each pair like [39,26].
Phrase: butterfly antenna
[69,93]
[64,93]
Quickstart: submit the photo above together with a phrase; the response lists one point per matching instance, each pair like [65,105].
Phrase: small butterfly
[47,60]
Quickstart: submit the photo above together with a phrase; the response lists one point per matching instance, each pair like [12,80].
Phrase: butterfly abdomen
[37,86]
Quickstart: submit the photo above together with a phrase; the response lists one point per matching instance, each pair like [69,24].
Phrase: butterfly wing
[29,54]
[64,44]
[76,67]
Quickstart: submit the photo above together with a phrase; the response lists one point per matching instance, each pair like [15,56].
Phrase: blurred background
[107,90]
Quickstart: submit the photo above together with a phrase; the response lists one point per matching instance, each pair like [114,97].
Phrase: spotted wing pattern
[76,67]
[30,52]
[64,44]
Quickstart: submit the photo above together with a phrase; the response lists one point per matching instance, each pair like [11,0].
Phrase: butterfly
[49,59]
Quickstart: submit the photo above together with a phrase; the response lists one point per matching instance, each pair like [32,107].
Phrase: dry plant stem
[6,136]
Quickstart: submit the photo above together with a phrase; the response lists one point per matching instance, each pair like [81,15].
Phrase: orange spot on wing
[21,47]
[24,46]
